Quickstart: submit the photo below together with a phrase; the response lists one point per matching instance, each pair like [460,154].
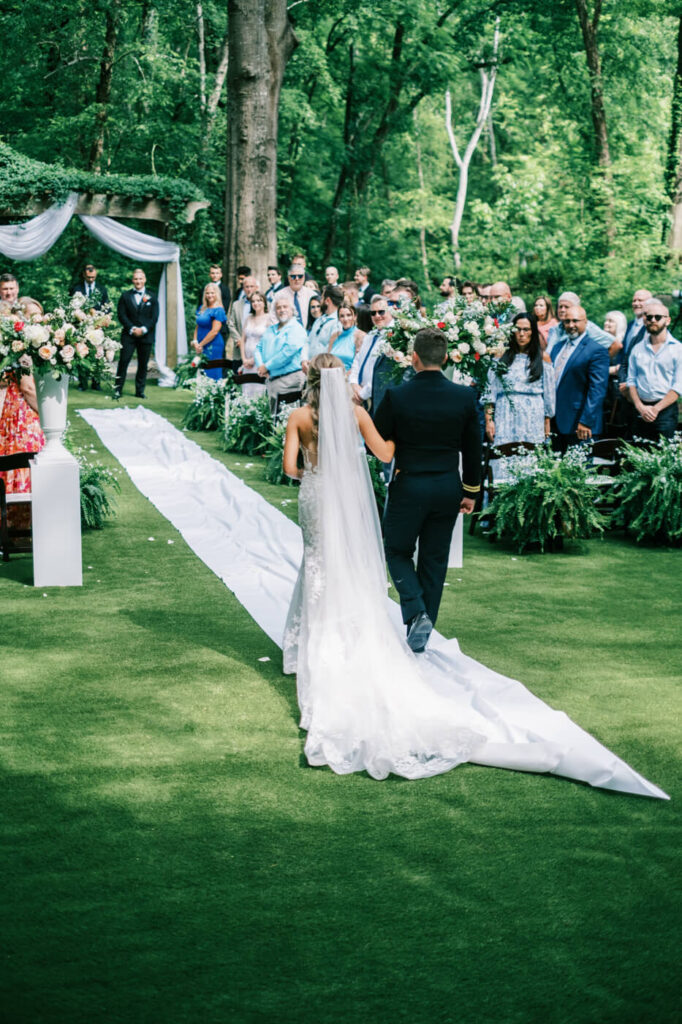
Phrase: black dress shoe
[418,633]
[140,394]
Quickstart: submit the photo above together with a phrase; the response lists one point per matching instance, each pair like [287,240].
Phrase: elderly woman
[521,408]
[210,318]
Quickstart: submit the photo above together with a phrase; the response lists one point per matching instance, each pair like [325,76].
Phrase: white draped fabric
[32,239]
[35,237]
[256,551]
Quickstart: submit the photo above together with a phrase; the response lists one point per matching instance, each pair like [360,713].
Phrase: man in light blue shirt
[655,376]
[278,355]
[557,334]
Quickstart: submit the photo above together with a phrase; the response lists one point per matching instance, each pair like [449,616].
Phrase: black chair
[605,464]
[20,460]
[289,398]
[491,454]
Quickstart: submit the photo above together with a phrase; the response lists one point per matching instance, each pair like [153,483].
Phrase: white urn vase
[52,407]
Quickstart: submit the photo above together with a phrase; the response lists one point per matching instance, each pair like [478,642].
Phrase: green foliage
[247,423]
[187,369]
[272,448]
[548,497]
[648,492]
[207,410]
[376,474]
[97,484]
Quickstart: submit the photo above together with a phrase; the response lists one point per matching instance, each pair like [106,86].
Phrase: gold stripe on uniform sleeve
[471,488]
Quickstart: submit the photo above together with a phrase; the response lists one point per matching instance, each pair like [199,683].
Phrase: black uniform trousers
[130,346]
[422,508]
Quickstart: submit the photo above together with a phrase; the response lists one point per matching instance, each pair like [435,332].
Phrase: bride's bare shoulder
[301,416]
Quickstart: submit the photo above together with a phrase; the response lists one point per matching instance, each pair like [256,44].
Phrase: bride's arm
[384,450]
[292,443]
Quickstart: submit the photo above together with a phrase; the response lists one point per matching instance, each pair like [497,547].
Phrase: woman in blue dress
[210,318]
[520,409]
[345,343]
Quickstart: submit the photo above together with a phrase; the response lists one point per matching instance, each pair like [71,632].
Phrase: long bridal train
[256,551]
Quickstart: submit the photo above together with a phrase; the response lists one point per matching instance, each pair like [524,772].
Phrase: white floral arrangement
[67,339]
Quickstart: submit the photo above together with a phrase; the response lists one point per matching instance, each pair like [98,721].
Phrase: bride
[367,702]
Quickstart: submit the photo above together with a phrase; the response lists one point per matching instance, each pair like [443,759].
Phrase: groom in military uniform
[431,420]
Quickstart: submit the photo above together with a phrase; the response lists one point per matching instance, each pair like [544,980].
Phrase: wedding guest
[326,325]
[215,276]
[499,297]
[363,318]
[210,319]
[20,431]
[544,314]
[361,372]
[91,288]
[278,355]
[350,292]
[365,290]
[469,291]
[9,289]
[520,409]
[615,323]
[655,376]
[275,283]
[236,318]
[581,372]
[138,312]
[558,334]
[331,275]
[314,312]
[299,259]
[241,273]
[345,342]
[31,307]
[298,292]
[255,326]
[387,286]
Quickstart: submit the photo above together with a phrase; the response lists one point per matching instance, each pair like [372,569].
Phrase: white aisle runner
[256,551]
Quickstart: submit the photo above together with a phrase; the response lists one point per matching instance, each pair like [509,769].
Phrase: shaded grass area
[168,855]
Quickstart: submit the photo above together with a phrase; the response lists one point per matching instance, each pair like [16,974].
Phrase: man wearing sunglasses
[655,376]
[298,292]
[581,371]
[362,370]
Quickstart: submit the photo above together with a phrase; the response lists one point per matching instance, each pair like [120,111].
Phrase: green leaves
[649,491]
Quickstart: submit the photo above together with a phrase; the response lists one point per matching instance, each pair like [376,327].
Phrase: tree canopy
[572,183]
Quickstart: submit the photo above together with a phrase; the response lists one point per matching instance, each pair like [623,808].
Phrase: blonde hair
[216,288]
[311,395]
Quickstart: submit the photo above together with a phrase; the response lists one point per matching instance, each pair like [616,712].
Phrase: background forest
[572,184]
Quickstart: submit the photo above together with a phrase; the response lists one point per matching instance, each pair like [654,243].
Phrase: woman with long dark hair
[519,407]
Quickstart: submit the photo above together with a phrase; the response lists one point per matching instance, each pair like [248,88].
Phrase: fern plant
[547,498]
[247,422]
[207,409]
[97,503]
[648,491]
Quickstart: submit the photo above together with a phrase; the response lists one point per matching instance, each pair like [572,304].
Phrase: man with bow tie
[89,286]
[138,312]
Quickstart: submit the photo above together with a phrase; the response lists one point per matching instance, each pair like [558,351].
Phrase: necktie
[297,308]
[367,355]
[562,359]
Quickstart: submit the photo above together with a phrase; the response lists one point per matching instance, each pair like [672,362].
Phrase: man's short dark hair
[8,277]
[408,285]
[216,266]
[89,266]
[333,292]
[244,270]
[431,346]
[273,266]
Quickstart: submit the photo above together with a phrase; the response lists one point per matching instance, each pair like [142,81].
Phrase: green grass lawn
[168,856]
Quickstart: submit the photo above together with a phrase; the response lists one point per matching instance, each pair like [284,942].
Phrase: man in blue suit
[581,370]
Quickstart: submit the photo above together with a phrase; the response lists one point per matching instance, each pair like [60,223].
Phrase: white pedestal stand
[55,489]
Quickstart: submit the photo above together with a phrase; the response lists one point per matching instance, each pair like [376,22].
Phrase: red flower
[441,325]
[496,322]
[477,356]
[19,325]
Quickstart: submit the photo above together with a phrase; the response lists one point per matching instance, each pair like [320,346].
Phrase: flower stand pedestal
[55,488]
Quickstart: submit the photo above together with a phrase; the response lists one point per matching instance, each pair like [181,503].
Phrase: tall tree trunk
[420,174]
[588,27]
[673,175]
[260,42]
[103,93]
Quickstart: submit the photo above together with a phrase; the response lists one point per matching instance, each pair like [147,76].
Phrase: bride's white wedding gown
[367,702]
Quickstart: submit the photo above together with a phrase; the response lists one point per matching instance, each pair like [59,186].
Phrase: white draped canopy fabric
[35,237]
